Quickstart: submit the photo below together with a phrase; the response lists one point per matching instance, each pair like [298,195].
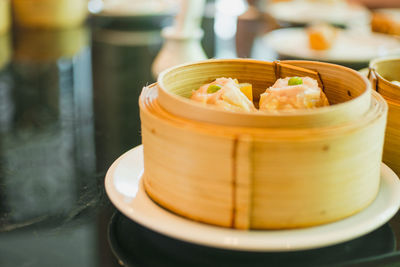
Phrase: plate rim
[238,239]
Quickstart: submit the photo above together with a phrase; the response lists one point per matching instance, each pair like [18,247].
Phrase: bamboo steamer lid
[49,13]
[4,16]
[265,177]
[382,72]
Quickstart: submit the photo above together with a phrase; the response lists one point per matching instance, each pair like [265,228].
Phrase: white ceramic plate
[305,12]
[125,189]
[349,47]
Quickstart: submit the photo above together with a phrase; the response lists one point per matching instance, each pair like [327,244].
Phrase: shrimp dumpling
[293,93]
[224,93]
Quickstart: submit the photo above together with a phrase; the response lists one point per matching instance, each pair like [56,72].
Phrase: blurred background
[71,72]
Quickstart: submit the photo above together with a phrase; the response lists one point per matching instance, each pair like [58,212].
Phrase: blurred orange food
[384,22]
[321,36]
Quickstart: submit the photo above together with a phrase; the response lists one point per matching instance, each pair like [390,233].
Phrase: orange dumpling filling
[225,93]
[288,95]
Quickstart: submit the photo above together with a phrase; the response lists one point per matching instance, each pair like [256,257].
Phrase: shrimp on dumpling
[225,93]
[293,93]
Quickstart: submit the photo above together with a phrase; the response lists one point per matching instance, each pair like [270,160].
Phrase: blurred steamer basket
[383,74]
[49,13]
[4,16]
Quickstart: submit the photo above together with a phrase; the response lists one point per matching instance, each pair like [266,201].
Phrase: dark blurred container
[121,68]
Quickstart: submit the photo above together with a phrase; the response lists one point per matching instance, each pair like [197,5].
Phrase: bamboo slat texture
[301,169]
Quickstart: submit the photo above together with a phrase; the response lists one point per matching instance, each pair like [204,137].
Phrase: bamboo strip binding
[238,176]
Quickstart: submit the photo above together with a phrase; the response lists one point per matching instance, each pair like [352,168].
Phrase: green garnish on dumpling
[295,81]
[213,88]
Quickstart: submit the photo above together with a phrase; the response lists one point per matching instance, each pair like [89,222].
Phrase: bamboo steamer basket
[273,171]
[49,13]
[382,72]
[4,16]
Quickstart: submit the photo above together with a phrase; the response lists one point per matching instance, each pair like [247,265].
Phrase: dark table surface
[68,109]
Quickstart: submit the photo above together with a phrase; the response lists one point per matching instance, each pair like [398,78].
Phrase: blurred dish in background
[48,45]
[4,16]
[386,21]
[301,12]
[350,47]
[132,14]
[128,38]
[129,8]
[49,13]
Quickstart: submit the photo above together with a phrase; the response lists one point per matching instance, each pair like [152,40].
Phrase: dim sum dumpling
[293,93]
[224,93]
